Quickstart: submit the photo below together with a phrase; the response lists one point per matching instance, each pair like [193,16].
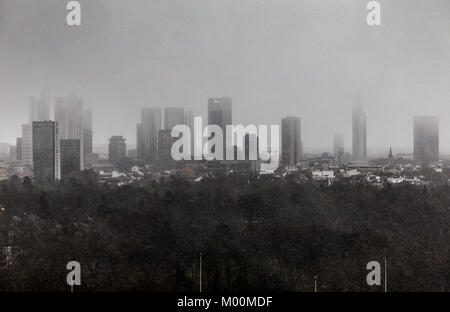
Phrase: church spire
[391,157]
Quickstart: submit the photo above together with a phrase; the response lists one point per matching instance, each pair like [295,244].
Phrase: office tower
[426,140]
[139,143]
[150,126]
[117,149]
[70,156]
[19,148]
[13,153]
[87,134]
[46,153]
[251,145]
[220,114]
[189,121]
[165,142]
[173,116]
[39,109]
[27,149]
[68,114]
[359,133]
[291,142]
[338,147]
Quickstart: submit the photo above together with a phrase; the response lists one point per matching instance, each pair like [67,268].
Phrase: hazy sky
[273,57]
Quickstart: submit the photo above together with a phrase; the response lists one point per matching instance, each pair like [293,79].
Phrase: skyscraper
[87,134]
[189,121]
[139,143]
[291,140]
[359,133]
[150,126]
[68,114]
[117,149]
[46,153]
[70,156]
[251,146]
[39,109]
[220,114]
[13,152]
[19,148]
[426,140]
[165,142]
[27,149]
[173,116]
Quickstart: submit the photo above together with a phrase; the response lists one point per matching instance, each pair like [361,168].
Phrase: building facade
[27,149]
[19,148]
[359,130]
[46,152]
[426,140]
[117,149]
[39,108]
[291,141]
[149,132]
[69,115]
[70,157]
[220,114]
[173,116]
[165,142]
[87,134]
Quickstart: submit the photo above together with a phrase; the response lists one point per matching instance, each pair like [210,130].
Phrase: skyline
[320,56]
[169,111]
[172,117]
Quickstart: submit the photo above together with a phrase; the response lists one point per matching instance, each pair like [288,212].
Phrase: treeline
[254,235]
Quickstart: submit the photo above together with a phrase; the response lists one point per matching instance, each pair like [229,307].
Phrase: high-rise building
[426,140]
[220,114]
[27,149]
[139,143]
[19,148]
[46,153]
[13,152]
[338,147]
[70,156]
[189,121]
[359,133]
[117,149]
[87,134]
[39,109]
[173,116]
[68,114]
[165,142]
[149,132]
[291,141]
[251,146]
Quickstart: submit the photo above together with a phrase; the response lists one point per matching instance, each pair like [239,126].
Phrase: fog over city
[274,58]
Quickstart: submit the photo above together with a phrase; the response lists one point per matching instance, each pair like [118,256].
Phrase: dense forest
[254,235]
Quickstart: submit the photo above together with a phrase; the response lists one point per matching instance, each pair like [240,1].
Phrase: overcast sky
[273,57]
